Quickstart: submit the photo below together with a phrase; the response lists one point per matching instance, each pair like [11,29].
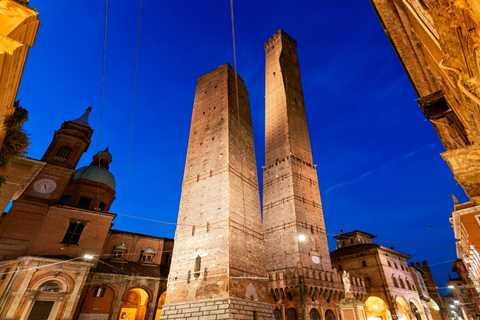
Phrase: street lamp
[302,237]
[88,257]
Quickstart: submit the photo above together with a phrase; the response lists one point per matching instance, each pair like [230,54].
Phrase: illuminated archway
[433,309]
[376,309]
[415,310]
[403,309]
[160,303]
[98,300]
[134,305]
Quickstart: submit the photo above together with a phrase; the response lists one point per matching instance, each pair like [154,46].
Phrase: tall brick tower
[297,255]
[217,263]
[292,208]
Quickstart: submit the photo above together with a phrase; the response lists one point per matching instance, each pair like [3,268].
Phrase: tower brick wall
[217,268]
[291,202]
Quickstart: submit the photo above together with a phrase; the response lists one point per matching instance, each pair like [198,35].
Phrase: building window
[63,152]
[402,284]
[147,255]
[119,250]
[329,315]
[277,314]
[364,263]
[102,206]
[408,284]
[314,314]
[72,236]
[50,286]
[292,314]
[389,264]
[84,203]
[395,265]
[198,265]
[99,292]
[395,282]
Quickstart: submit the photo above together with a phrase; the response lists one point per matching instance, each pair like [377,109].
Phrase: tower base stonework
[212,309]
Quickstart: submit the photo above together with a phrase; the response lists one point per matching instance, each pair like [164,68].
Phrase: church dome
[97,171]
[95,174]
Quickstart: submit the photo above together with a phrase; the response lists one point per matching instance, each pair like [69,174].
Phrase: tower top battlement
[220,69]
[279,37]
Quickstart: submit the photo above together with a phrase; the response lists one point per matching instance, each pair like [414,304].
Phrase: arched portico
[377,309]
[161,302]
[403,309]
[134,306]
[98,301]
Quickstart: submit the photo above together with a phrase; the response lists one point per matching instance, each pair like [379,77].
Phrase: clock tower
[33,209]
[67,146]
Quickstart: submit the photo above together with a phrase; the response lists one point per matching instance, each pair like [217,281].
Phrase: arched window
[102,206]
[63,152]
[402,284]
[364,263]
[119,250]
[415,311]
[395,282]
[277,314]
[99,292]
[314,315]
[329,315]
[147,255]
[198,266]
[408,284]
[292,314]
[50,286]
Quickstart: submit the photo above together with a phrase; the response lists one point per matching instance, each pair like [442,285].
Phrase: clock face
[44,186]
[316,259]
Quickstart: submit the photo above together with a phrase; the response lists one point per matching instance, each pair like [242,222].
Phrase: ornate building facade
[438,43]
[395,291]
[60,259]
[18,29]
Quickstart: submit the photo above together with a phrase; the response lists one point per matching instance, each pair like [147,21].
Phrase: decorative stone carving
[465,166]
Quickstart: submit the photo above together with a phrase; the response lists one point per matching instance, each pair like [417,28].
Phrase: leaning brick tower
[297,255]
[217,269]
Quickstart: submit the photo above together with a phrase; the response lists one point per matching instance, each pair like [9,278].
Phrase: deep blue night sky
[378,159]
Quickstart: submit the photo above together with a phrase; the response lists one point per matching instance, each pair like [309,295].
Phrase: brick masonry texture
[291,202]
[232,308]
[219,249]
